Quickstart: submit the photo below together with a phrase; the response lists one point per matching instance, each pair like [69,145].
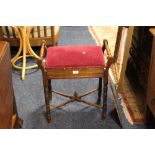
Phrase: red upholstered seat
[74,57]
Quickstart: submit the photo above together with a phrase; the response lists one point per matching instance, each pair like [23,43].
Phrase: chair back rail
[38,30]
[1,32]
[45,31]
[13,32]
[52,32]
[7,31]
[32,33]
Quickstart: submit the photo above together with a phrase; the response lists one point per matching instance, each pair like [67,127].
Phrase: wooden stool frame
[91,72]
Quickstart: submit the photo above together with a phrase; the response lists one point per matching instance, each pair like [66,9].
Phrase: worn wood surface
[151,79]
[75,73]
[125,58]
[8,111]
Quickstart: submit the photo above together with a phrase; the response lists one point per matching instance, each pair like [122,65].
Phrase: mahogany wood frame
[49,74]
[8,111]
[150,95]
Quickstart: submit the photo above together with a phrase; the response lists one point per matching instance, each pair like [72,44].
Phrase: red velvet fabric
[74,57]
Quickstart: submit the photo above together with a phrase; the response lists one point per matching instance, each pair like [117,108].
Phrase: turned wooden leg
[50,89]
[105,90]
[46,92]
[99,91]
[48,108]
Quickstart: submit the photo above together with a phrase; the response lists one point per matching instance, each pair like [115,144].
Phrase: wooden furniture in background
[70,62]
[138,64]
[50,34]
[25,50]
[121,54]
[150,96]
[8,111]
[25,37]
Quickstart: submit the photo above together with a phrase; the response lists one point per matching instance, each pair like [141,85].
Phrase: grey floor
[30,96]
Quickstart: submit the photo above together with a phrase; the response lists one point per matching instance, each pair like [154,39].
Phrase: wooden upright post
[125,57]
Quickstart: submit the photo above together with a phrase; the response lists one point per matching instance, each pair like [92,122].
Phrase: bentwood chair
[69,62]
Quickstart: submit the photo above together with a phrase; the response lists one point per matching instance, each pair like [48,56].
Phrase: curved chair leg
[99,91]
